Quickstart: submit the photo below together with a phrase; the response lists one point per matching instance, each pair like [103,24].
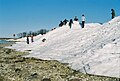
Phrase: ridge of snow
[94,49]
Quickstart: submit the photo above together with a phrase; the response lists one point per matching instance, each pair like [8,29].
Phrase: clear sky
[24,15]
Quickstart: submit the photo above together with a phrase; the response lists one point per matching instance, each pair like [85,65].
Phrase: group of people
[28,41]
[83,20]
[71,22]
[63,23]
[31,39]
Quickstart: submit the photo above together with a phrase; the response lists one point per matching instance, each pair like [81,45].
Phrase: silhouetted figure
[83,21]
[65,22]
[27,39]
[32,38]
[70,23]
[113,13]
[61,24]
[75,19]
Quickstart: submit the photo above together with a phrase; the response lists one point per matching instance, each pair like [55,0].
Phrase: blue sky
[31,15]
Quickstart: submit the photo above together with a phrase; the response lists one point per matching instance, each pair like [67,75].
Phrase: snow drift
[94,49]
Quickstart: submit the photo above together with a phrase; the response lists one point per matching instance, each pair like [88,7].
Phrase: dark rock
[17,70]
[28,50]
[21,60]
[46,79]
[54,66]
[75,79]
[63,76]
[44,40]
[8,51]
[113,39]
[34,75]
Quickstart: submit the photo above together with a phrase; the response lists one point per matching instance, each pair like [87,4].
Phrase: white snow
[94,49]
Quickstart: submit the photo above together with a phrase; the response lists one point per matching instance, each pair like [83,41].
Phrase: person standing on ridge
[65,22]
[61,24]
[83,21]
[70,23]
[113,13]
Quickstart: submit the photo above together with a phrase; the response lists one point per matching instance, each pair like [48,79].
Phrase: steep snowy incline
[94,49]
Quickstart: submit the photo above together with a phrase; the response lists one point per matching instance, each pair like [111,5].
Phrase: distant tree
[19,35]
[24,34]
[35,33]
[38,32]
[30,33]
[43,31]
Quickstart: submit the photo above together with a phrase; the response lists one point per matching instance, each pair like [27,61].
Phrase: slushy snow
[94,49]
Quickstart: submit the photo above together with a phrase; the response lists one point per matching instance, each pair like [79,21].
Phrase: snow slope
[94,49]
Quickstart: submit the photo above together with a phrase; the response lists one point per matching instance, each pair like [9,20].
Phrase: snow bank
[94,49]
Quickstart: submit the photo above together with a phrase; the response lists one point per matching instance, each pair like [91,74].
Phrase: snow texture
[94,49]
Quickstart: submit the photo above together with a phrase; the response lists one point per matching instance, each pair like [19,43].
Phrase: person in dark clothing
[113,13]
[65,22]
[70,23]
[75,19]
[61,24]
[83,21]
[27,39]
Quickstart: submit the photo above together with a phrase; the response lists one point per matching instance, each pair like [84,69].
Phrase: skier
[27,39]
[75,19]
[113,13]
[70,23]
[83,21]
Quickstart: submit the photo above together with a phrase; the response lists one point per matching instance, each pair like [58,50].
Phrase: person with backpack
[65,22]
[70,23]
[113,13]
[83,21]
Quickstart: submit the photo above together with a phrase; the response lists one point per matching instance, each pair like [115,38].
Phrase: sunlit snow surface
[94,49]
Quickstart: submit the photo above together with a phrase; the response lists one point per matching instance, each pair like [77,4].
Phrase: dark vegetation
[33,33]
